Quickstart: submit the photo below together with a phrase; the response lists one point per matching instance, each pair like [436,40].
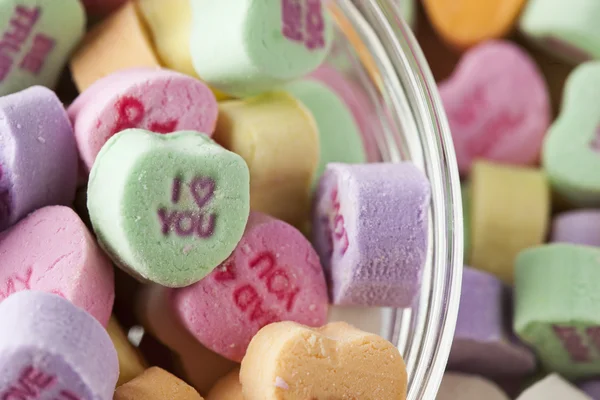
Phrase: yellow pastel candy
[131,362]
[227,388]
[156,384]
[278,138]
[510,207]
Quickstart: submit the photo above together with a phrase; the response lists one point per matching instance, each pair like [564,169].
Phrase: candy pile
[528,324]
[218,161]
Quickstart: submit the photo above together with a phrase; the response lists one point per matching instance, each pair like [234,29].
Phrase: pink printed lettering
[315,25]
[468,111]
[163,127]
[203,190]
[176,190]
[225,272]
[185,223]
[205,229]
[492,132]
[29,385]
[33,61]
[21,26]
[310,29]
[595,143]
[337,228]
[593,333]
[572,343]
[292,20]
[10,286]
[130,114]
[166,219]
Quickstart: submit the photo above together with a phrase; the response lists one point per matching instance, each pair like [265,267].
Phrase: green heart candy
[168,208]
[556,307]
[571,151]
[37,37]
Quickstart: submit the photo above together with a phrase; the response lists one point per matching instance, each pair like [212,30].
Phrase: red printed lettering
[572,343]
[492,132]
[10,287]
[163,127]
[130,114]
[337,228]
[276,279]
[308,30]
[29,385]
[267,262]
[226,272]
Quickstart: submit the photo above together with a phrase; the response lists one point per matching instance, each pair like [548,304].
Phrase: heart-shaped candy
[168,208]
[336,361]
[497,104]
[571,154]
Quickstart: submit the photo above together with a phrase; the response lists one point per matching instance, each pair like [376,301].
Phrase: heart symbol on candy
[571,152]
[36,37]
[336,361]
[497,105]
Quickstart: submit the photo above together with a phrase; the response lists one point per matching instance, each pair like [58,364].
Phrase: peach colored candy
[498,106]
[200,366]
[156,384]
[464,23]
[288,361]
[131,362]
[118,42]
[227,388]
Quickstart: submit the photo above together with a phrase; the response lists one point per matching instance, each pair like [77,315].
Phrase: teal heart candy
[168,208]
[571,151]
[37,37]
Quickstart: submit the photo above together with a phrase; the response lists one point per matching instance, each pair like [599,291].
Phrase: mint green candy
[168,208]
[339,136]
[566,28]
[571,151]
[37,37]
[245,47]
[556,307]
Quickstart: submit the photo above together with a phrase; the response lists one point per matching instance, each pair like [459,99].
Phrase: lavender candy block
[370,230]
[483,341]
[577,227]
[591,388]
[38,154]
[50,349]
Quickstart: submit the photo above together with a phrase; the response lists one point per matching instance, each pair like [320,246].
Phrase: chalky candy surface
[339,135]
[37,37]
[273,275]
[358,102]
[468,387]
[131,362]
[510,207]
[468,22]
[53,349]
[227,388]
[591,388]
[38,155]
[168,208]
[118,42]
[568,30]
[278,137]
[577,227]
[268,42]
[51,250]
[159,100]
[553,387]
[497,104]
[336,361]
[483,342]
[156,384]
[571,153]
[370,230]
[556,288]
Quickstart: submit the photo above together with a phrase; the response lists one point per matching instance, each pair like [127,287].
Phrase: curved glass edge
[397,66]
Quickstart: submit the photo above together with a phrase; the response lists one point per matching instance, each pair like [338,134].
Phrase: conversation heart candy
[465,23]
[156,384]
[168,208]
[571,152]
[498,106]
[278,138]
[370,230]
[53,350]
[159,100]
[273,275]
[131,362]
[483,343]
[339,136]
[227,388]
[555,307]
[591,388]
[118,42]
[468,387]
[577,227]
[510,207]
[268,42]
[553,387]
[567,30]
[38,155]
[336,361]
[36,40]
[65,260]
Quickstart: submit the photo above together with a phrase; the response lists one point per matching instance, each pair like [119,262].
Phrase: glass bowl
[376,48]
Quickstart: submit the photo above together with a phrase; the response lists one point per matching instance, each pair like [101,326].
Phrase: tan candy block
[131,362]
[510,208]
[288,361]
[119,42]
[468,387]
[156,384]
[227,388]
[278,138]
